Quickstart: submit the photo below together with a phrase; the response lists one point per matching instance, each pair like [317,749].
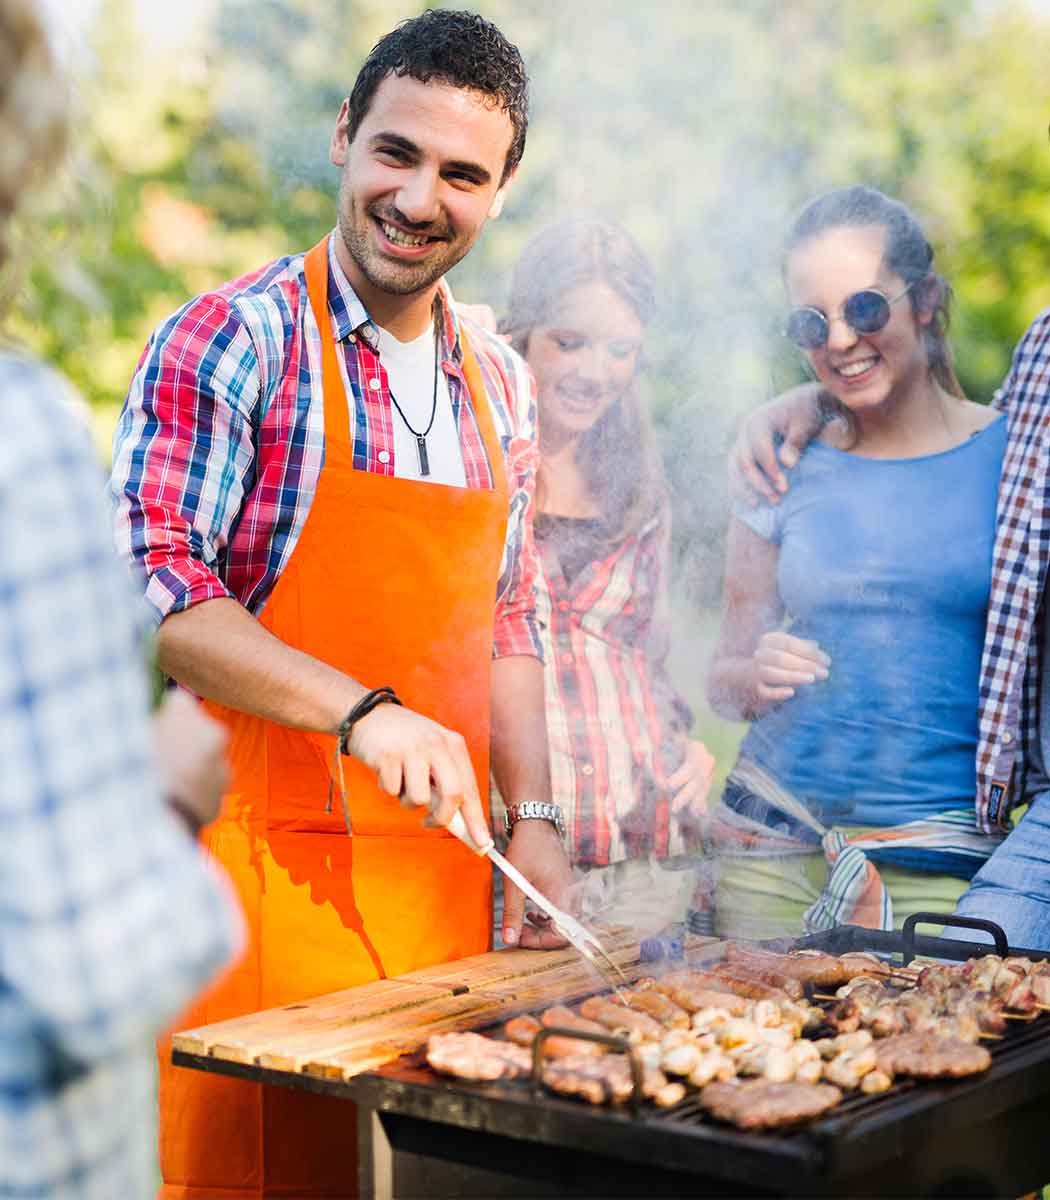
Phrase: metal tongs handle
[458,828]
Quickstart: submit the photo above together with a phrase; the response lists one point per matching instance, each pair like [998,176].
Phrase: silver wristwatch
[535,810]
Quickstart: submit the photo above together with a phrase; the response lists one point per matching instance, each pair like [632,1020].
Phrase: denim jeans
[1013,886]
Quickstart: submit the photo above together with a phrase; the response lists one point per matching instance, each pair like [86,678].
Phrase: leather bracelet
[369,701]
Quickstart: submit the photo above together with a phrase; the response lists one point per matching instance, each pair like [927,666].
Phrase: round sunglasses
[866,311]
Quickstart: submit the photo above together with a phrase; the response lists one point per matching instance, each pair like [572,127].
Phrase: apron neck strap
[336,424]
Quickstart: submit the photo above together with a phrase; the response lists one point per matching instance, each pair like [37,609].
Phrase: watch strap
[535,810]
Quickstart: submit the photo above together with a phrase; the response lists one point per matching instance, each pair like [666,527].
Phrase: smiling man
[327,482]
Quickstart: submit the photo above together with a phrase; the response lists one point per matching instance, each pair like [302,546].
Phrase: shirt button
[1007,738]
[383,456]
[374,384]
[352,338]
[563,606]
[587,769]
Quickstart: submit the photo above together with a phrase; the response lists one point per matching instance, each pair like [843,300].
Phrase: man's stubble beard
[384,275]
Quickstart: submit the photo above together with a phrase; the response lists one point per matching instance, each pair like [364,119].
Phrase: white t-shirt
[410,372]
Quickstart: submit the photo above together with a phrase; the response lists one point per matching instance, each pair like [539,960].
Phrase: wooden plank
[292,1053]
[343,1033]
[243,1039]
[486,970]
[402,1034]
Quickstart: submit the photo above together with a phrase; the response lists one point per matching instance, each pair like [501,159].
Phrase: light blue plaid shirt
[110,917]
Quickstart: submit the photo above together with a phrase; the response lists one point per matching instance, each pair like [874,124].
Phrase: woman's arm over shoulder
[751,606]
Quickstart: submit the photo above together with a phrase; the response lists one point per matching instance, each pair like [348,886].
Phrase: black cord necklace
[421,438]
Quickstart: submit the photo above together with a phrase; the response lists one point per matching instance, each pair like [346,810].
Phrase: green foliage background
[701,125]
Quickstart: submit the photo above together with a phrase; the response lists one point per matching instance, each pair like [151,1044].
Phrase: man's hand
[690,784]
[537,851]
[422,762]
[755,470]
[783,662]
[190,749]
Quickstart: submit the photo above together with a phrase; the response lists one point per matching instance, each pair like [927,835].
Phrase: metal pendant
[424,461]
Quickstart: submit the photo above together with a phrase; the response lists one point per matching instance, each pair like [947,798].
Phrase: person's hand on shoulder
[756,466]
[191,751]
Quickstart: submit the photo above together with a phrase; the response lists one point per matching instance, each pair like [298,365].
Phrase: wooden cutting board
[341,1034]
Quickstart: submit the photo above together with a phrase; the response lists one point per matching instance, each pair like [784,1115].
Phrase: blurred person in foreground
[854,610]
[110,916]
[328,482]
[632,783]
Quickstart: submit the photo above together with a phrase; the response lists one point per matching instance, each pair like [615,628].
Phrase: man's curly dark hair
[457,48]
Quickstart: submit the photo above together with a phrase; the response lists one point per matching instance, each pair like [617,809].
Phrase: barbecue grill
[423,1134]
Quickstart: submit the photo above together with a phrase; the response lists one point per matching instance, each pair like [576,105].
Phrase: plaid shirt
[1010,670]
[110,917]
[221,440]
[614,721]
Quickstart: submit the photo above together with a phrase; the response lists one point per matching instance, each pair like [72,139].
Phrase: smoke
[700,128]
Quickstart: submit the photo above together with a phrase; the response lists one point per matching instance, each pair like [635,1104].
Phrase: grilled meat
[693,996]
[805,966]
[471,1056]
[522,1030]
[659,1006]
[759,1104]
[637,1026]
[930,1056]
[602,1079]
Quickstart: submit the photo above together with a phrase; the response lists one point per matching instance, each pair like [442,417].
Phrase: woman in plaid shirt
[632,784]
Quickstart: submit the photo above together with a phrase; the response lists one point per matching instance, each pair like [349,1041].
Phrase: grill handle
[618,1045]
[1002,947]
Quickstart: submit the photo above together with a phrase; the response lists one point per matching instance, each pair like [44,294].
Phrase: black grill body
[424,1135]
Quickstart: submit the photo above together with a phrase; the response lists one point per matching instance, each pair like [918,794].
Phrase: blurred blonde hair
[33,109]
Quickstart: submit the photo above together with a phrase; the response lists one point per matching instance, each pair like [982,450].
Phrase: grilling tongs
[577,935]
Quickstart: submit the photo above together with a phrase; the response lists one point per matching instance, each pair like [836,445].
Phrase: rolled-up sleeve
[517,628]
[183,453]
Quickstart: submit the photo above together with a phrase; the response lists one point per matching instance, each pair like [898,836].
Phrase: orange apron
[394,582]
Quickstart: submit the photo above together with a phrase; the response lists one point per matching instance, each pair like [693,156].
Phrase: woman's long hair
[33,109]
[907,253]
[617,455]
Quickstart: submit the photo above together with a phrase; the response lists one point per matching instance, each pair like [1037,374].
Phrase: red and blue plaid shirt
[615,723]
[1010,670]
[220,442]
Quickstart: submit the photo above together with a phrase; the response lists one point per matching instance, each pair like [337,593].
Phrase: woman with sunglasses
[854,611]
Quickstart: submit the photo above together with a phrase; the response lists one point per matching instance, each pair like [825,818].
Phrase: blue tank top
[886,563]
